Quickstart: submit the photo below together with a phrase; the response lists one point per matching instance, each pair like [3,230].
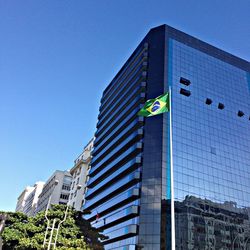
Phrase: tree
[22,232]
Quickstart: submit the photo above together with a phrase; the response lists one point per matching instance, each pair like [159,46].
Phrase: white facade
[79,177]
[21,200]
[55,191]
[32,199]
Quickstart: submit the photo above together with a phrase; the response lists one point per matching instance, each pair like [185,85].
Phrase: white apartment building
[32,199]
[55,191]
[21,200]
[79,174]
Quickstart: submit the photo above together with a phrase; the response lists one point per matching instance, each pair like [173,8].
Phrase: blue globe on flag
[156,106]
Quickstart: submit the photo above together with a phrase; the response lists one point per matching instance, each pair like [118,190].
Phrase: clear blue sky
[57,56]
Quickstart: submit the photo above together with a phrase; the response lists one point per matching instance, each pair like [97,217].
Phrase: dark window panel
[221,106]
[185,92]
[208,101]
[185,81]
[240,113]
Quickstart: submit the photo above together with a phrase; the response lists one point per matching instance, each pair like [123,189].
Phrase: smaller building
[21,200]
[79,174]
[32,199]
[56,190]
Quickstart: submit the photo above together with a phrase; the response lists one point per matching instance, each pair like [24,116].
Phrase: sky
[57,57]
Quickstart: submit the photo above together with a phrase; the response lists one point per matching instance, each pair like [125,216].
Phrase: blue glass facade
[129,183]
[211,151]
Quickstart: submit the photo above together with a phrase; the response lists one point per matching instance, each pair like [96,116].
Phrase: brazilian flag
[155,106]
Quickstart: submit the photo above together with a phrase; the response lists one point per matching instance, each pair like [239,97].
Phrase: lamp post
[237,236]
[48,221]
[56,224]
[245,245]
[234,241]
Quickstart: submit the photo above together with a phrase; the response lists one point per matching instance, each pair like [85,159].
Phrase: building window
[208,101]
[185,81]
[75,193]
[64,196]
[221,106]
[240,113]
[185,92]
[67,179]
[65,187]
[78,179]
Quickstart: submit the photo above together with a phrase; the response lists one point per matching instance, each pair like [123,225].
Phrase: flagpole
[171,173]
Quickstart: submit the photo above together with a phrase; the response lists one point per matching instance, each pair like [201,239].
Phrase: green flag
[155,106]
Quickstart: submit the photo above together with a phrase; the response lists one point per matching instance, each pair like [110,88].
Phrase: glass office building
[129,190]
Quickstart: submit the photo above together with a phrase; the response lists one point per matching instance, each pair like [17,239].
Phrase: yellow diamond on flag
[156,106]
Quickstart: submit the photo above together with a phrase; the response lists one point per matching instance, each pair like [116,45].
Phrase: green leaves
[27,233]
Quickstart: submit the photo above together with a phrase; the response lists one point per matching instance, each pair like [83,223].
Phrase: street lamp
[237,236]
[245,245]
[52,228]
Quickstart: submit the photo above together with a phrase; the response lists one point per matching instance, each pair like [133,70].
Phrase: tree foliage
[22,232]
